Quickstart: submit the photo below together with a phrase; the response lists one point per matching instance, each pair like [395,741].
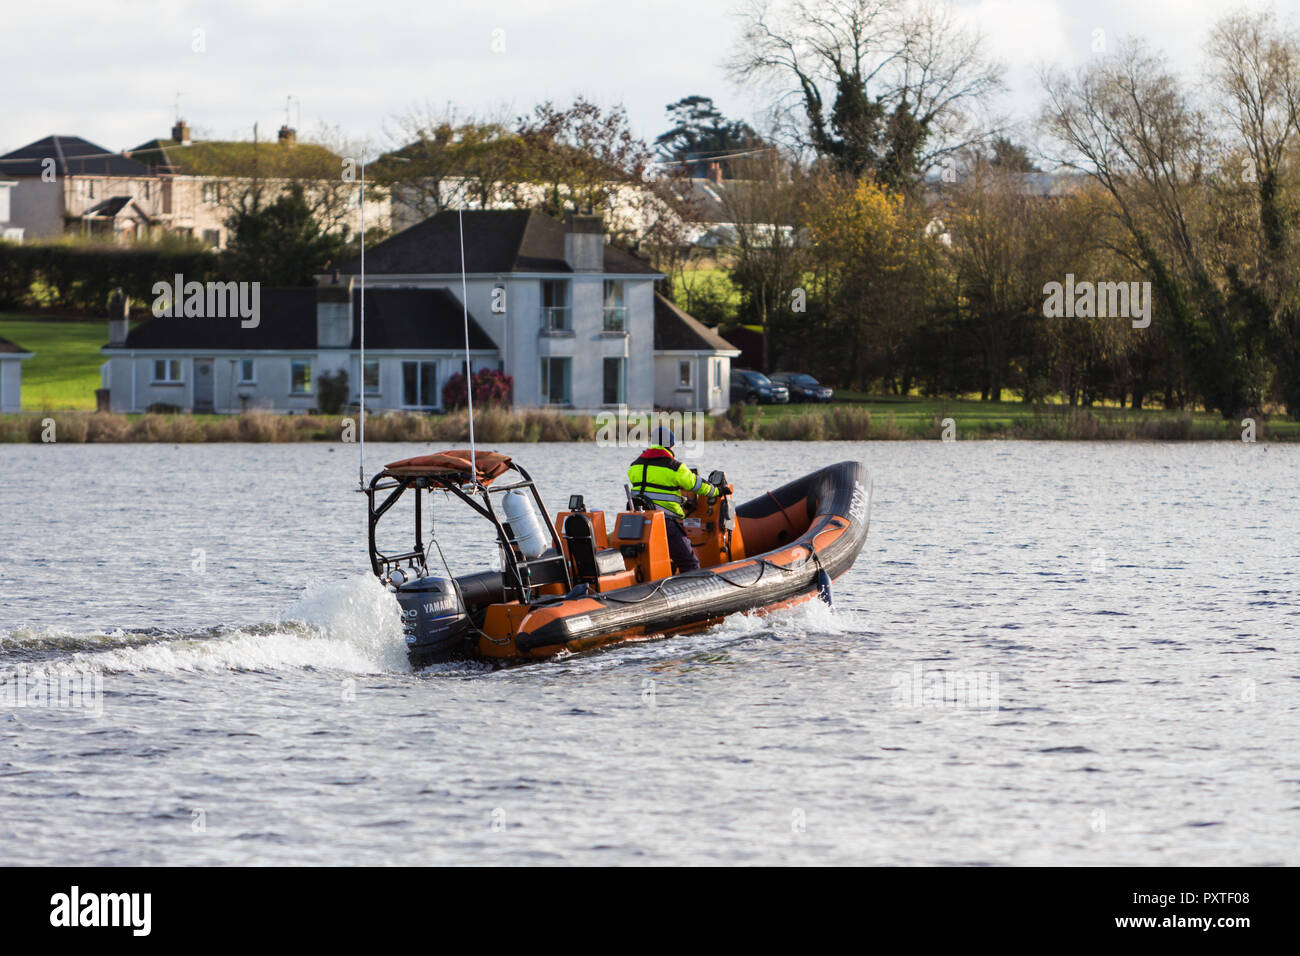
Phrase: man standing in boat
[661,479]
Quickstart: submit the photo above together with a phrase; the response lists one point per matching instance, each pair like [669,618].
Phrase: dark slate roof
[677,331]
[496,240]
[11,347]
[73,156]
[111,208]
[416,319]
[287,320]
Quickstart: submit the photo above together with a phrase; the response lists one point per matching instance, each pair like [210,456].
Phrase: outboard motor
[434,621]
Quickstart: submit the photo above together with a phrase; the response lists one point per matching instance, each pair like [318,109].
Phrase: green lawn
[64,372]
[704,280]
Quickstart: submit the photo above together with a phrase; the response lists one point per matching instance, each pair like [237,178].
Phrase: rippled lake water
[1046,653]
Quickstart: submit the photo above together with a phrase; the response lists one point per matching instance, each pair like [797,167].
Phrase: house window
[555,306]
[684,373]
[419,384]
[615,381]
[372,377]
[615,308]
[300,377]
[210,193]
[166,371]
[212,237]
[556,385]
[91,187]
[716,365]
[247,368]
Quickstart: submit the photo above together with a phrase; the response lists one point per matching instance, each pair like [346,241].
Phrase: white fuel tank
[529,533]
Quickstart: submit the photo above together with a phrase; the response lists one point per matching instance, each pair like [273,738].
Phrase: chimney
[714,173]
[334,315]
[181,132]
[584,242]
[288,135]
[119,315]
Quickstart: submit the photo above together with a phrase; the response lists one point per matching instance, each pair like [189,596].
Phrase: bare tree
[1255,81]
[766,207]
[254,175]
[587,158]
[581,154]
[885,87]
[442,161]
[1256,76]
[1130,123]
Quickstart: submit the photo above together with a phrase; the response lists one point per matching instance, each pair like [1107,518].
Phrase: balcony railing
[615,318]
[555,318]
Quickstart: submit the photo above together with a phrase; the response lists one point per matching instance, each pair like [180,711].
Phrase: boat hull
[831,506]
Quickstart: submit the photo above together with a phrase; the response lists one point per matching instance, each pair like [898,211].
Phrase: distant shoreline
[494,425]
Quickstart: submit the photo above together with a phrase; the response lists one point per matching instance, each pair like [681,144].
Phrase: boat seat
[589,562]
[610,561]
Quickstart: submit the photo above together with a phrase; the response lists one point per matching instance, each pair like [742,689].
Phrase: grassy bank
[923,418]
[64,374]
[495,426]
[490,425]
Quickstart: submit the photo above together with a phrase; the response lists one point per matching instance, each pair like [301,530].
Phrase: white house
[577,321]
[8,231]
[415,341]
[692,362]
[11,376]
[574,322]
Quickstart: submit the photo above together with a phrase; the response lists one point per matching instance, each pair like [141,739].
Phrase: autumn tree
[871,259]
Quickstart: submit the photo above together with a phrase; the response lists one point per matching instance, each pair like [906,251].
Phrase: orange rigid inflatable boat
[578,583]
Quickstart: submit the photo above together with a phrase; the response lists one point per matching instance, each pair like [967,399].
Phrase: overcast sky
[110,71]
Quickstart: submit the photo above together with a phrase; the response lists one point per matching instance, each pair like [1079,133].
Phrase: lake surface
[1046,654]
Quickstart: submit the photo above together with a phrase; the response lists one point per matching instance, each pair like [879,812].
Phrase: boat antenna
[469,377]
[361,464]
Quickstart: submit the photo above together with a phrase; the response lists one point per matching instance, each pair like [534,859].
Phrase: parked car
[749,386]
[803,387]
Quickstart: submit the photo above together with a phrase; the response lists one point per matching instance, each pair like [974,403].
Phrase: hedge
[81,278]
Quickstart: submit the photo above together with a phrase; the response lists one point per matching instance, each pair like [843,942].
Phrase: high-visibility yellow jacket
[659,476]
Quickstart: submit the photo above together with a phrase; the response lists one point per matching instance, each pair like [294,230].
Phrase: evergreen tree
[281,243]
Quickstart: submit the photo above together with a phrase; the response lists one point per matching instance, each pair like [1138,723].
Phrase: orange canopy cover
[491,465]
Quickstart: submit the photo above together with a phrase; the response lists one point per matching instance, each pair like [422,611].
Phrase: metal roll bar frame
[517,571]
